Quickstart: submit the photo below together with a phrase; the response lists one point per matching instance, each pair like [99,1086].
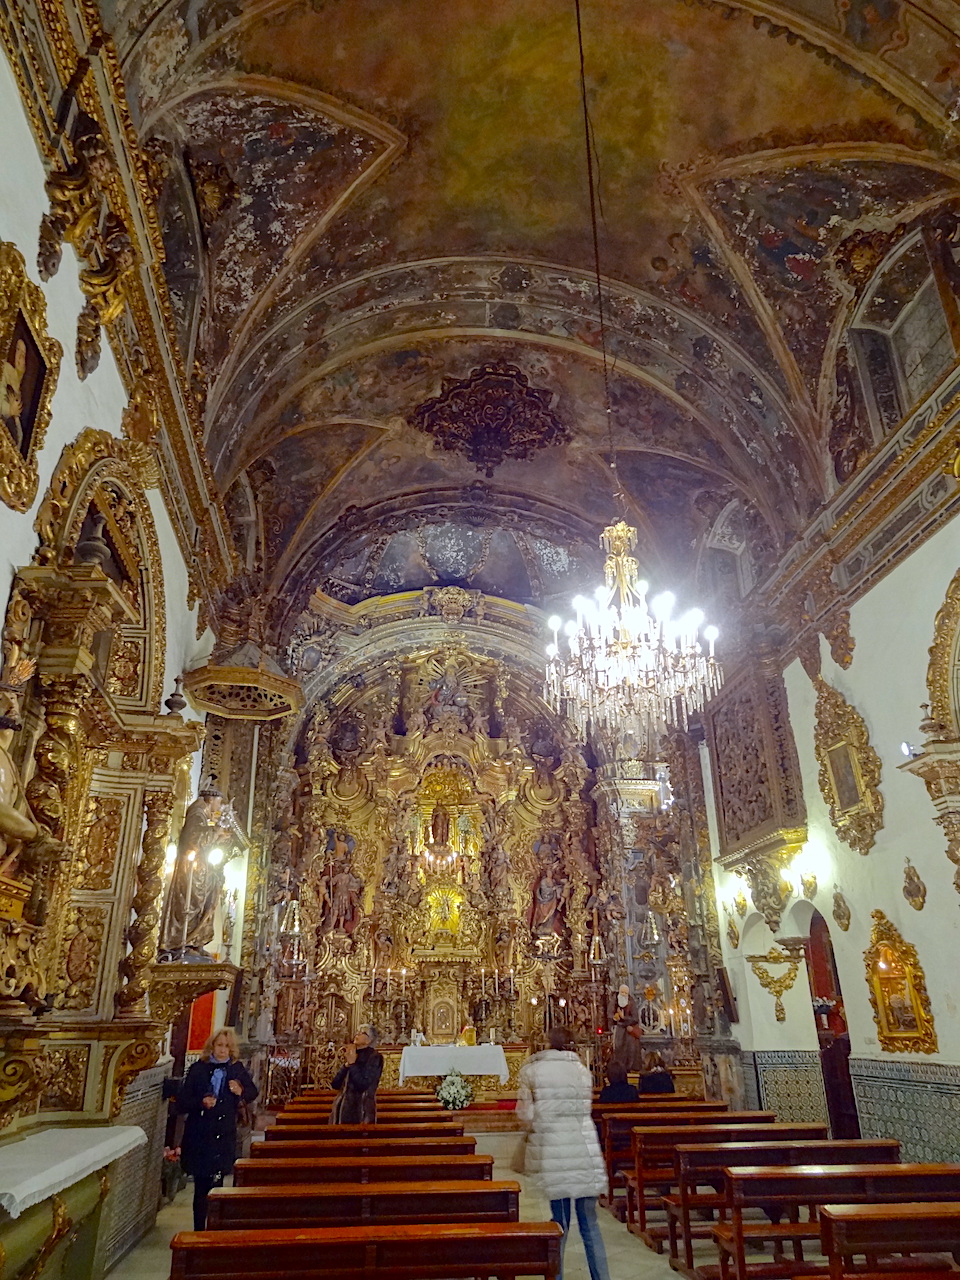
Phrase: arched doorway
[832,1031]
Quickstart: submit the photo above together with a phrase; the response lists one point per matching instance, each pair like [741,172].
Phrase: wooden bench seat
[454,1251]
[697,1165]
[263,1173]
[372,1145]
[439,1116]
[352,1204]
[791,1190]
[335,1132]
[617,1134]
[874,1230]
[654,1159]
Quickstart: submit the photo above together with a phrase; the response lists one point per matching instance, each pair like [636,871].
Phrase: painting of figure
[21,384]
[846,782]
[873,25]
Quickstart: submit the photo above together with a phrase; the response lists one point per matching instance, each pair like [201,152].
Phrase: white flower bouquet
[453,1092]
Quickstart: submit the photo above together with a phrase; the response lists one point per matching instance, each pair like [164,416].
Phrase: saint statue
[187,926]
[625,1022]
[440,824]
[548,897]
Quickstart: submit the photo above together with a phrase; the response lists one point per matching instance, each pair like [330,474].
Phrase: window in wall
[901,337]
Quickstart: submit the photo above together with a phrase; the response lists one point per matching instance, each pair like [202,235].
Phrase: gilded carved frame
[849,775]
[898,991]
[23,331]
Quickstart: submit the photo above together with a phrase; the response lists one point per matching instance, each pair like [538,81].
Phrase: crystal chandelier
[625,672]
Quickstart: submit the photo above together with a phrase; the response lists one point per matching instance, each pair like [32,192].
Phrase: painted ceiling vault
[363,198]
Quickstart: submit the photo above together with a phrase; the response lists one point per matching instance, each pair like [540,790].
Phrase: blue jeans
[589,1232]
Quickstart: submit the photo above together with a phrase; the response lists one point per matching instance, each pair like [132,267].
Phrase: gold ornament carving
[99,842]
[20,1081]
[31,363]
[63,1072]
[898,991]
[841,910]
[733,933]
[808,885]
[944,666]
[914,890]
[61,1228]
[777,984]
[849,769]
[740,902]
[136,1057]
[141,934]
[174,986]
[81,949]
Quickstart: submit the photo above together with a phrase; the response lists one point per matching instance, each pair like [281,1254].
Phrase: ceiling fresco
[362,198]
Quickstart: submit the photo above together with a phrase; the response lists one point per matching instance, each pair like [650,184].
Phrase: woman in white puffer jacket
[563,1155]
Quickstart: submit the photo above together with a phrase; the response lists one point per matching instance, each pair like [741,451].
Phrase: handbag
[519,1161]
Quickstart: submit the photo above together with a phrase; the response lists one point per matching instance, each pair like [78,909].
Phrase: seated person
[655,1078]
[617,1090]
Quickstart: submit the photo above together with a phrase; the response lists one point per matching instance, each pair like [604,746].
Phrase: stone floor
[628,1258]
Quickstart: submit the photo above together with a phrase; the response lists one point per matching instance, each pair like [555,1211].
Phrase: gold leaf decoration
[849,769]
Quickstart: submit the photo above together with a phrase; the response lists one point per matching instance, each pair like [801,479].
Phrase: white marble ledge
[44,1163]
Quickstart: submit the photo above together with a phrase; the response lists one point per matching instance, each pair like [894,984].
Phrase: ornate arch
[943,669]
[100,485]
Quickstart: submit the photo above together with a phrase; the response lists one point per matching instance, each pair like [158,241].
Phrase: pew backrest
[452,1146]
[261,1173]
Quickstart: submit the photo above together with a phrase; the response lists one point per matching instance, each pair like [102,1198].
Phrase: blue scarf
[216,1080]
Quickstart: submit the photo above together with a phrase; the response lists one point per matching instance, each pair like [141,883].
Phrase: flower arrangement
[453,1092]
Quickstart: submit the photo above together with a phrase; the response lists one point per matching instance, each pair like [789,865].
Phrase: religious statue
[503,946]
[625,1022]
[498,865]
[25,846]
[440,824]
[549,896]
[187,926]
[344,894]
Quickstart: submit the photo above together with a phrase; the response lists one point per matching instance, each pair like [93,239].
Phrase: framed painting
[849,769]
[898,991]
[29,366]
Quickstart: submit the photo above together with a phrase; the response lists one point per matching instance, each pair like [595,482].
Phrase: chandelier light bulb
[555,622]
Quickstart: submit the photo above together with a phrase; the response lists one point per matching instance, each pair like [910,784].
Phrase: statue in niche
[383,941]
[503,945]
[440,825]
[498,864]
[549,896]
[188,916]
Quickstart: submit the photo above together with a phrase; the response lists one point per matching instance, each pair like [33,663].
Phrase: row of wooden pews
[788,1200]
[407,1197]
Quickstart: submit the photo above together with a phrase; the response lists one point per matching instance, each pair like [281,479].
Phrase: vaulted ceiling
[361,198]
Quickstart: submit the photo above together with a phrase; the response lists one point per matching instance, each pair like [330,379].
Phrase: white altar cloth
[44,1163]
[468,1059]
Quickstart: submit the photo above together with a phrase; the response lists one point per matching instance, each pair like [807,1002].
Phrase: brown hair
[653,1062]
[560,1038]
[616,1072]
[206,1053]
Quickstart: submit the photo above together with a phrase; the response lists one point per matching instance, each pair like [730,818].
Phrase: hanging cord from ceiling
[593,189]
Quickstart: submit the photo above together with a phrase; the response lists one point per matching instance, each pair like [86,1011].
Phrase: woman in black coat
[210,1098]
[357,1081]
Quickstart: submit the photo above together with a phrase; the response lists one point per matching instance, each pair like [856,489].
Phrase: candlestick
[496,983]
[373,981]
[403,982]
[513,989]
[483,982]
[388,983]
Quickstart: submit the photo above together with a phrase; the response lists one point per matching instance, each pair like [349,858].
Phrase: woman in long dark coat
[357,1081]
[210,1098]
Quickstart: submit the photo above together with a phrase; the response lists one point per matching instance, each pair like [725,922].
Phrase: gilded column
[141,935]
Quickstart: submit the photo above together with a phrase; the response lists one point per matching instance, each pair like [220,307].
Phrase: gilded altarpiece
[761,812]
[89,772]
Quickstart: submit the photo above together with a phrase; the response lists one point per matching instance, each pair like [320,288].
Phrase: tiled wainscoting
[917,1102]
[788,1081]
[131,1205]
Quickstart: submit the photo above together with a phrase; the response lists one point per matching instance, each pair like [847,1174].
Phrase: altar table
[468,1059]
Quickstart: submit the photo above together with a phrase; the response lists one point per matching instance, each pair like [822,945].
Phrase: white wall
[893,628]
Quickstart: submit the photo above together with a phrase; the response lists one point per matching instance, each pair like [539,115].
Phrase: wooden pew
[320,1132]
[701,1164]
[264,1173]
[808,1186]
[439,1116]
[459,1251]
[617,1135]
[669,1102]
[353,1204]
[654,1159]
[849,1231]
[329,1148]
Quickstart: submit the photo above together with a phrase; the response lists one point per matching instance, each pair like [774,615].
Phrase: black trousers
[202,1186]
